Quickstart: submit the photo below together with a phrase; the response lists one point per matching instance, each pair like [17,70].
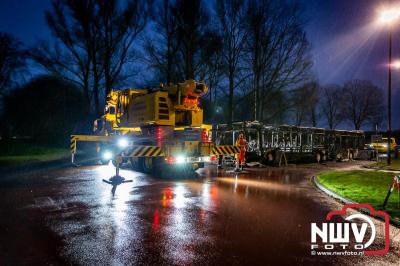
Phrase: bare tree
[277,55]
[314,114]
[231,15]
[313,99]
[182,45]
[304,102]
[119,28]
[192,23]
[363,102]
[93,42]
[12,60]
[86,17]
[211,69]
[74,67]
[257,17]
[69,57]
[162,42]
[286,57]
[331,105]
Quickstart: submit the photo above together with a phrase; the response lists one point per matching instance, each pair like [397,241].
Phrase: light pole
[389,99]
[388,17]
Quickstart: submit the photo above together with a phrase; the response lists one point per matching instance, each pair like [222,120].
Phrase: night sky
[346,43]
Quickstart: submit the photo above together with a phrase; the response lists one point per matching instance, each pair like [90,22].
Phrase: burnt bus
[344,144]
[297,143]
[267,143]
[224,134]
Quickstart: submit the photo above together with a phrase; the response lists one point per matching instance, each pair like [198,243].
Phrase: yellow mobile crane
[152,128]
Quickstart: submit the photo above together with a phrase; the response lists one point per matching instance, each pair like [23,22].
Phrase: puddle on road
[171,221]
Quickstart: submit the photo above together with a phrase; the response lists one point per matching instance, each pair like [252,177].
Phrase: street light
[396,64]
[388,17]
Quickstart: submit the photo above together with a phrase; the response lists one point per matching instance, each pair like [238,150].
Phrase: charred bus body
[267,143]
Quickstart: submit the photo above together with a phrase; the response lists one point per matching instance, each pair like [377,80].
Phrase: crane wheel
[134,164]
[146,164]
[104,162]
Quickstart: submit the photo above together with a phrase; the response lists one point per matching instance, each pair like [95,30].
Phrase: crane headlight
[122,143]
[180,159]
[107,155]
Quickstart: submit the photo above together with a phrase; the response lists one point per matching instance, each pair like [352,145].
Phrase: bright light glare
[179,198]
[396,64]
[206,159]
[107,155]
[180,159]
[123,143]
[388,16]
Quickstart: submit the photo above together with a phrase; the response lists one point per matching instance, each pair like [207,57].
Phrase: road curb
[344,200]
[382,169]
[330,193]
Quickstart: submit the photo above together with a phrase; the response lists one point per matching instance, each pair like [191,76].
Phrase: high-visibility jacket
[242,143]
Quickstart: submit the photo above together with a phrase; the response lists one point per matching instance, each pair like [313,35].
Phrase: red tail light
[204,135]
[159,136]
[170,159]
[213,158]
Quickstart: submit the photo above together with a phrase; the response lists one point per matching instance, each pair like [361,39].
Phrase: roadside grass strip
[12,154]
[364,187]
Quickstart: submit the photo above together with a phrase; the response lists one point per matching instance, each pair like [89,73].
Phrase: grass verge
[363,187]
[17,153]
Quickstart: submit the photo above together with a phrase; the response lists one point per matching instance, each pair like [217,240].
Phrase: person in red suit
[241,157]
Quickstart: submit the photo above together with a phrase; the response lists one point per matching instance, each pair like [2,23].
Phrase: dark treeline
[356,104]
[254,56]
[46,109]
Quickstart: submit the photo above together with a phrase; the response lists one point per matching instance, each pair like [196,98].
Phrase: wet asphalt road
[69,216]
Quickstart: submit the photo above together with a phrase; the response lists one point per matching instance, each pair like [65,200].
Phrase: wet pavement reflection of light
[179,199]
[178,229]
[218,218]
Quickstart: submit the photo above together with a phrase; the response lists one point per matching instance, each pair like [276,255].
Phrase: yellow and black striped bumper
[145,151]
[72,145]
[225,150]
[91,138]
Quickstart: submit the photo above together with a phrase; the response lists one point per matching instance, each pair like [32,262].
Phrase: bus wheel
[318,157]
[268,158]
[104,161]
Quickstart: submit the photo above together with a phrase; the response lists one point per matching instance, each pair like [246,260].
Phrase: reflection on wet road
[70,216]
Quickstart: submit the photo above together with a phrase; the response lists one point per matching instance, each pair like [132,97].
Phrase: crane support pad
[225,150]
[145,151]
[73,145]
[89,138]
